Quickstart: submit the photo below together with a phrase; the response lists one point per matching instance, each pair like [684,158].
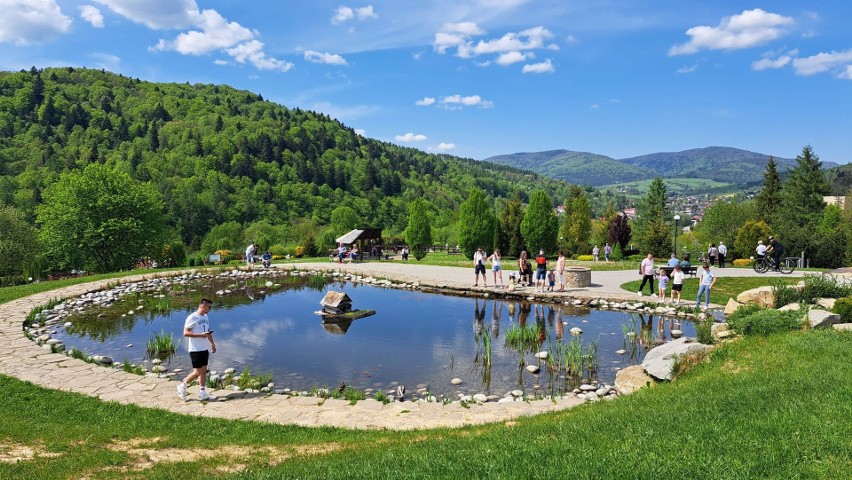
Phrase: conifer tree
[769,198]
[418,233]
[476,223]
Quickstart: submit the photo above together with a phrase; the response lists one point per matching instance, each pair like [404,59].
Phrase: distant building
[559,210]
[840,201]
[630,212]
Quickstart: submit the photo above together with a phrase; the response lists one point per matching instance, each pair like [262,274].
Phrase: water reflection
[414,338]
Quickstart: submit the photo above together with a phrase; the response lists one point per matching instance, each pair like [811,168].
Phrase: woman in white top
[677,284]
[560,270]
[495,266]
[761,249]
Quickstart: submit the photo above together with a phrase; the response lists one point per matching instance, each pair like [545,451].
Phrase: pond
[417,339]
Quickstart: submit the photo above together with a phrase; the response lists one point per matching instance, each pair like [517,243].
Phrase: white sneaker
[205,397]
[654,295]
[181,391]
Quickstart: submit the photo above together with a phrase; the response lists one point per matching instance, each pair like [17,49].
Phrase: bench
[690,270]
[454,251]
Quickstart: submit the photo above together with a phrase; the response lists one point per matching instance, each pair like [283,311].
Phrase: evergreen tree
[540,226]
[418,233]
[476,223]
[769,198]
[577,223]
[802,204]
[652,232]
[510,226]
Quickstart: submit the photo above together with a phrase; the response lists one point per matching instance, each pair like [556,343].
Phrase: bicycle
[762,265]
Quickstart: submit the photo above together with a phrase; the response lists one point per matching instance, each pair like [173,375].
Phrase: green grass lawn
[725,288]
[776,407]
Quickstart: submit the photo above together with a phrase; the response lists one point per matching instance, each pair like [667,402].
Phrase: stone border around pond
[28,361]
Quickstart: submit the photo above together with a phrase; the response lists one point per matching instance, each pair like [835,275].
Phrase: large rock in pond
[659,361]
[762,296]
[822,319]
[630,379]
[732,306]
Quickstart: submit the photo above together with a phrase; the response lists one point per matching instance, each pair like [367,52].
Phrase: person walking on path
[607,252]
[706,281]
[677,284]
[646,269]
[596,253]
[541,271]
[495,266]
[479,267]
[723,250]
[712,253]
[198,335]
[560,270]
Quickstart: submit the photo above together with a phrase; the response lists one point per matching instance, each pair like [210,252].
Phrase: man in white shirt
[646,269]
[250,254]
[479,267]
[196,330]
[723,250]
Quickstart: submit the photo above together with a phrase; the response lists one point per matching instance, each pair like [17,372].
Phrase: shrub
[843,307]
[635,257]
[766,321]
[743,262]
[824,286]
[281,251]
[743,311]
[704,330]
[784,294]
[585,258]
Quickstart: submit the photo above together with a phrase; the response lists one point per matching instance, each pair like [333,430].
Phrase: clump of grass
[79,354]
[704,330]
[522,338]
[350,394]
[317,281]
[157,305]
[382,397]
[130,368]
[255,381]
[162,345]
[767,321]
[34,313]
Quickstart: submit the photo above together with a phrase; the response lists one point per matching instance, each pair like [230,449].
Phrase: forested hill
[217,154]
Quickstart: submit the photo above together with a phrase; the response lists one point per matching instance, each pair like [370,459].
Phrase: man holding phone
[197,331]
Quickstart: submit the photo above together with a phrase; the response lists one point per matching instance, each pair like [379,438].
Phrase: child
[677,284]
[662,281]
[551,280]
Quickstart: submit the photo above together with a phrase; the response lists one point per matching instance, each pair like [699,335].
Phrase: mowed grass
[763,407]
[725,288]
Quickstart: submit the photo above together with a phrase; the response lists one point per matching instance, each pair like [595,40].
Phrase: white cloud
[325,58]
[687,69]
[445,147]
[214,32]
[529,39]
[570,40]
[543,67]
[426,101]
[410,137]
[219,61]
[468,29]
[509,58]
[594,106]
[92,15]
[360,131]
[748,29]
[24,22]
[156,14]
[469,101]
[769,63]
[836,62]
[343,14]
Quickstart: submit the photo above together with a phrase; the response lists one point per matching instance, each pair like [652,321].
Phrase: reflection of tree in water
[540,324]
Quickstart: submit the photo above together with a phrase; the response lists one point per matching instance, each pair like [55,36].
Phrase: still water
[413,339]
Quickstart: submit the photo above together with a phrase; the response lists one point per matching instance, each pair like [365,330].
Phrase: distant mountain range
[721,164]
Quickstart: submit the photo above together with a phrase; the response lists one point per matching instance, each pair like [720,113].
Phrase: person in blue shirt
[673,262]
[706,282]
[685,263]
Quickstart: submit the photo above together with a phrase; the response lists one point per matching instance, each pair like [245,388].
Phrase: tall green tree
[802,204]
[576,225]
[722,221]
[749,234]
[100,220]
[769,198]
[619,231]
[540,226]
[476,223]
[18,242]
[653,234]
[344,219]
[510,226]
[418,233]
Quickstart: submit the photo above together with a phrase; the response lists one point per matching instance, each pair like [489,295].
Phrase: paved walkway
[24,359]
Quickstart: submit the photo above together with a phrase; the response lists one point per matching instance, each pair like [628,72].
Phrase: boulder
[630,379]
[762,296]
[822,319]
[659,361]
[826,303]
[842,327]
[790,306]
[732,306]
[717,328]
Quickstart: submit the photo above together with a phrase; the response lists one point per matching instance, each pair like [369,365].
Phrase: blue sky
[486,77]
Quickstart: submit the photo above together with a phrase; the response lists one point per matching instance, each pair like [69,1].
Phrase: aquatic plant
[162,345]
[158,305]
[79,354]
[255,381]
[522,338]
[382,397]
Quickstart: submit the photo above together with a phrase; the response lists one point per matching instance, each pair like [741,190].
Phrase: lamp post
[676,219]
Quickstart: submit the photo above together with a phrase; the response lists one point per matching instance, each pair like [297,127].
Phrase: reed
[523,339]
[162,345]
[255,381]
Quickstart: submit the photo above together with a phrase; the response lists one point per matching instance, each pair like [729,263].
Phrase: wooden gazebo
[360,236]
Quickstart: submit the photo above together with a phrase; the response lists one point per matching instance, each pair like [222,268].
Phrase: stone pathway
[24,359]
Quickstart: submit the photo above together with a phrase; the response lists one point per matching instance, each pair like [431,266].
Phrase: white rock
[621,351]
[480,397]
[541,355]
[533,369]
[456,381]
[517,393]
[587,388]
[229,371]
[677,333]
[68,325]
[576,331]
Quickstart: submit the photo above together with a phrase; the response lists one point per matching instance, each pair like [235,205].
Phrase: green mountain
[739,168]
[840,179]
[574,167]
[218,155]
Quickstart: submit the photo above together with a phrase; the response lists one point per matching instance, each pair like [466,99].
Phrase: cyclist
[761,249]
[775,248]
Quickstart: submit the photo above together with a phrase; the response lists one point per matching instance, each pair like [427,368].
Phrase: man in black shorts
[198,335]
